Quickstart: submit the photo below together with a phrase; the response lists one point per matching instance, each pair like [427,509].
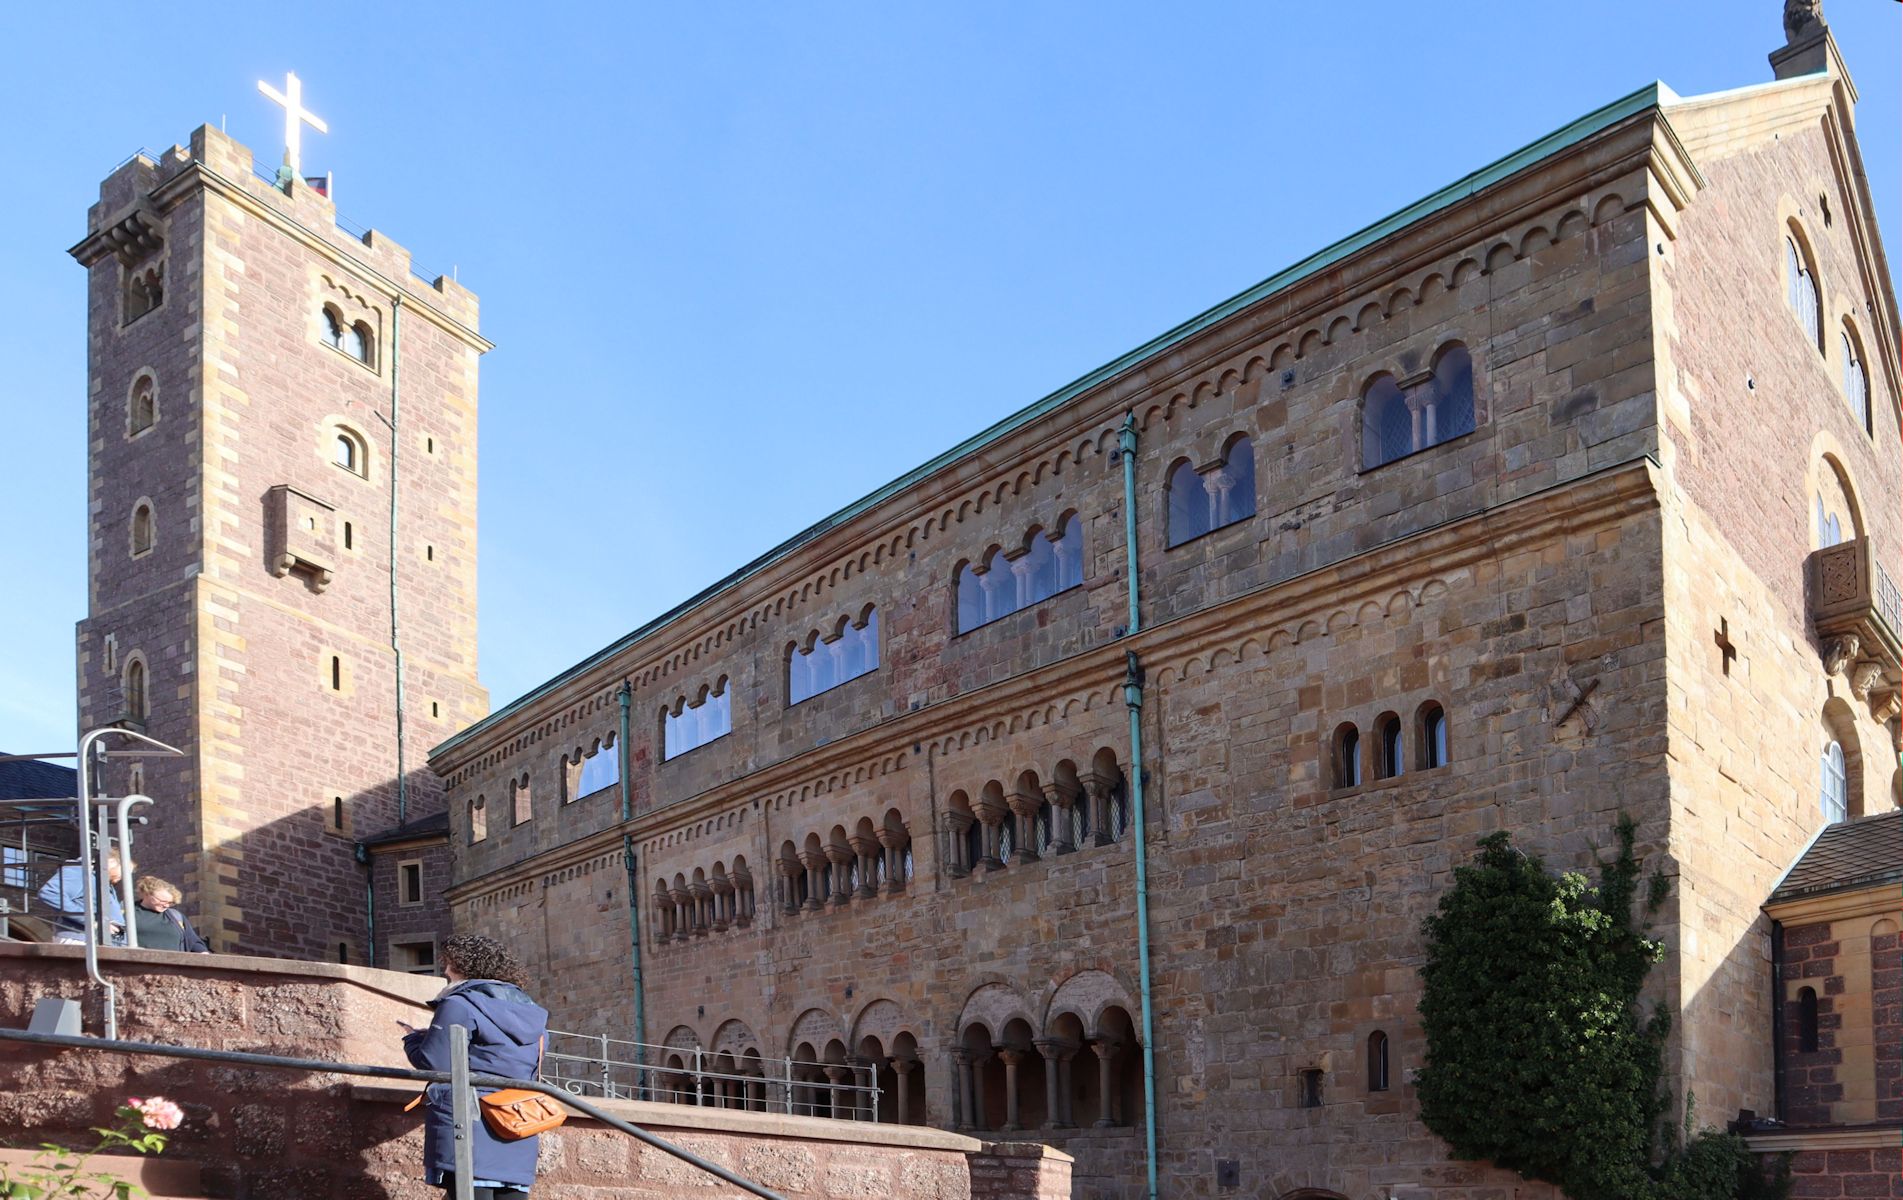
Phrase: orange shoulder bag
[516,1113]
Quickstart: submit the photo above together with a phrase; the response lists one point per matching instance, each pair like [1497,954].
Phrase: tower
[281,456]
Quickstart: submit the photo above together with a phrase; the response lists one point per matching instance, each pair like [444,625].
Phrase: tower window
[142,411]
[347,451]
[142,534]
[135,691]
[1807,1020]
[336,673]
[429,553]
[478,819]
[1397,420]
[339,820]
[144,291]
[1377,1061]
[349,537]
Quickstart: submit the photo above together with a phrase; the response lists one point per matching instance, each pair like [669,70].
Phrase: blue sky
[743,262]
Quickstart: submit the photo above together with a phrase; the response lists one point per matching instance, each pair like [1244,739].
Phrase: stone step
[164,1178]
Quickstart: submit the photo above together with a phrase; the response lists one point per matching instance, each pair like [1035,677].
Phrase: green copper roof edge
[1598,120]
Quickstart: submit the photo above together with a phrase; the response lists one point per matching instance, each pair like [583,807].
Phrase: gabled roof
[1850,855]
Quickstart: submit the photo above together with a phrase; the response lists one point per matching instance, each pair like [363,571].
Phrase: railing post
[789,1085]
[460,1112]
[607,1087]
[700,1082]
[872,1077]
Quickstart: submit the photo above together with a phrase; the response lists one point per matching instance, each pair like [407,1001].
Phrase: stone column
[837,1099]
[867,851]
[1024,806]
[902,1069]
[742,899]
[961,1088]
[814,864]
[790,871]
[1057,1054]
[1218,483]
[683,915]
[993,814]
[1021,581]
[956,866]
[1106,1083]
[1061,797]
[1011,1058]
[703,906]
[893,842]
[1097,790]
[841,859]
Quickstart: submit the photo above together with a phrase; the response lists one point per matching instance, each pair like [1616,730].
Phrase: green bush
[1539,1058]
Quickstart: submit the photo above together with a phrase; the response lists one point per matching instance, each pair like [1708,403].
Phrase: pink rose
[160,1113]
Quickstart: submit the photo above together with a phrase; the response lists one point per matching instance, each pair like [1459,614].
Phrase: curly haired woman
[506,1030]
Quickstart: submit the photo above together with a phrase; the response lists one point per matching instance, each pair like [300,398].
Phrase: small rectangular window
[343,952]
[417,957]
[347,536]
[409,883]
[1312,1088]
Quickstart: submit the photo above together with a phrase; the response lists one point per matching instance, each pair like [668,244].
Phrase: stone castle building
[1573,489]
[281,454]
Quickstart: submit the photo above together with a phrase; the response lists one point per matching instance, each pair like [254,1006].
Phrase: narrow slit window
[1392,747]
[1377,1061]
[336,673]
[1807,1020]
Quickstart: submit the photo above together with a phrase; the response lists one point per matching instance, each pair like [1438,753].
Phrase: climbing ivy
[1539,1057]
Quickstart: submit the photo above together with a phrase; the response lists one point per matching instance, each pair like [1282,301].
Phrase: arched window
[144,291]
[333,328]
[142,534]
[690,725]
[1807,1020]
[1856,382]
[1800,290]
[1201,501]
[1433,736]
[599,767]
[478,819]
[1830,525]
[521,803]
[347,451]
[1399,417]
[1833,794]
[1391,761]
[850,651]
[142,409]
[360,343]
[134,688]
[1377,1061]
[1347,763]
[1051,561]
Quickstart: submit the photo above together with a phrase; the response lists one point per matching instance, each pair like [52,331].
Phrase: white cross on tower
[295,118]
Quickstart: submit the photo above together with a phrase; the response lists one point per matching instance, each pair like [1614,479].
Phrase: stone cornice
[1593,501]
[1866,1137]
[1875,900]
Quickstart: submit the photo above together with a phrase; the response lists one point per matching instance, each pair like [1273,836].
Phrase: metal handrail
[475,1079]
[856,1100]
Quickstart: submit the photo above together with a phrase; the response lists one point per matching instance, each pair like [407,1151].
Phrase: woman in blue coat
[506,1030]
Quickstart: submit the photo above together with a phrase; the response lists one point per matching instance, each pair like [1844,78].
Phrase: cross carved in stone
[1578,702]
[1726,651]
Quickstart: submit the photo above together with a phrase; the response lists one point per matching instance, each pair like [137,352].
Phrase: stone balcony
[1852,596]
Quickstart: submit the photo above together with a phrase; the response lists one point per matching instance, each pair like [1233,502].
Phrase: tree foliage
[1540,1057]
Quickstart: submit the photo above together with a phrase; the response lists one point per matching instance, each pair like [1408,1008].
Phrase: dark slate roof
[1866,852]
[30,779]
[434,825]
